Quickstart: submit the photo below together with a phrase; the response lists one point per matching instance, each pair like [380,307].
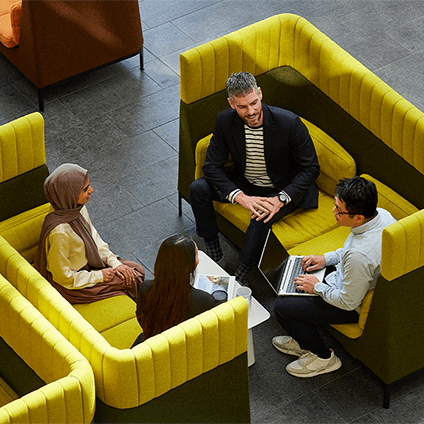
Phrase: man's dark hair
[359,195]
[240,84]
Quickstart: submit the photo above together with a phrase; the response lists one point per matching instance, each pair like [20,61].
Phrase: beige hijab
[62,189]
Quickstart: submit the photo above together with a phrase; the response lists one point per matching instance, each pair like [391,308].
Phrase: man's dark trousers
[300,315]
[201,197]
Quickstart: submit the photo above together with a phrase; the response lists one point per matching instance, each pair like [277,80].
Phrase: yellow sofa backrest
[22,173]
[127,378]
[22,146]
[69,395]
[289,40]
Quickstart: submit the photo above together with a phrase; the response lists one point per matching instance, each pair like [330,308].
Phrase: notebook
[281,275]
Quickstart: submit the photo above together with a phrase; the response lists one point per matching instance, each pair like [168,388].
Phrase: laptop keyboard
[295,272]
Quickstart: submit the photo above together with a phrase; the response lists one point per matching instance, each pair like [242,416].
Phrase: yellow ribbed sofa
[180,375]
[48,380]
[348,110]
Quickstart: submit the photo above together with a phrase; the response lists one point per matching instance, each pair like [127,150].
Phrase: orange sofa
[50,41]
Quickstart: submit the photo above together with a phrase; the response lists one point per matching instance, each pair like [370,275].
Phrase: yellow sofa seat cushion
[353,331]
[295,229]
[114,318]
[23,231]
[327,242]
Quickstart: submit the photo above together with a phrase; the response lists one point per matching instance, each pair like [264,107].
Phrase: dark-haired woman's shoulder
[200,301]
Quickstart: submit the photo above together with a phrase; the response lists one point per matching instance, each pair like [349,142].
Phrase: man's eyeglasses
[344,213]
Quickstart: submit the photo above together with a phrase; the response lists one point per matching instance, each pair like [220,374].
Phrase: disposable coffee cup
[245,292]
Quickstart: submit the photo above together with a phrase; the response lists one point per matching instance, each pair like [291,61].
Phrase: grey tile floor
[122,125]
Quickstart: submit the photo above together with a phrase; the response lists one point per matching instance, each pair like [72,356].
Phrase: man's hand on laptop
[313,263]
[306,282]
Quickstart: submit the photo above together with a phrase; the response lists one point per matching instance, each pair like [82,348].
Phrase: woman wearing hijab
[170,298]
[71,255]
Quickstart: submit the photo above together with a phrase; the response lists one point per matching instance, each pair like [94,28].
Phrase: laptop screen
[272,266]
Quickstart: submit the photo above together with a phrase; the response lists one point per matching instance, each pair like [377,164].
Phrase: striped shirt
[256,172]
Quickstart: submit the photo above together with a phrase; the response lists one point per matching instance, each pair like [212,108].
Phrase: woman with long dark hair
[170,298]
[71,255]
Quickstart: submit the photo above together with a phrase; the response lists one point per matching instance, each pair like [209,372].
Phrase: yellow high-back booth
[46,379]
[359,125]
[195,372]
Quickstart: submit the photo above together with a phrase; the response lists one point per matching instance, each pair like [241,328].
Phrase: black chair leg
[386,395]
[180,204]
[40,99]
[141,59]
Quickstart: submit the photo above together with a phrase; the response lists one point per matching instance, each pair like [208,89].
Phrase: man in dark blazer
[274,170]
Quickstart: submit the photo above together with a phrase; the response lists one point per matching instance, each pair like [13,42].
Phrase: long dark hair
[166,302]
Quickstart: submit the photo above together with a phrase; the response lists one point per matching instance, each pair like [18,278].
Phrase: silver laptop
[281,275]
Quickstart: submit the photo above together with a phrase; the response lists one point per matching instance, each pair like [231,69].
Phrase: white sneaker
[287,344]
[310,365]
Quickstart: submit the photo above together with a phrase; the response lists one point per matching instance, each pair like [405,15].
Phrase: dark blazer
[290,155]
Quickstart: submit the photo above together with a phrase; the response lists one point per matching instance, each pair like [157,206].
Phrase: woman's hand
[108,274]
[125,273]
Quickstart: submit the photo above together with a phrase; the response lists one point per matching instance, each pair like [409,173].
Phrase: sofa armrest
[23,166]
[191,348]
[68,376]
[401,250]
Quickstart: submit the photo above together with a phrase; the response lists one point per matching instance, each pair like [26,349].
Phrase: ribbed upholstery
[17,155]
[22,169]
[301,69]
[130,377]
[402,249]
[69,395]
[289,40]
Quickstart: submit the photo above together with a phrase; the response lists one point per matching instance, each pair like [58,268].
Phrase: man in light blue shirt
[351,272]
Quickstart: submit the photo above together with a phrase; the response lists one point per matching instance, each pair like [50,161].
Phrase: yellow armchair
[65,390]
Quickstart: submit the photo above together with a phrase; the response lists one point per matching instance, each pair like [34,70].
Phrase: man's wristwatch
[283,198]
